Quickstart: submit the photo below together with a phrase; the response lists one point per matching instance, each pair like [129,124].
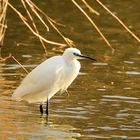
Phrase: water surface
[104,100]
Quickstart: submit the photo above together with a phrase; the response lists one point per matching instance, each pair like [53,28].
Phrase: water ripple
[120,97]
[133,73]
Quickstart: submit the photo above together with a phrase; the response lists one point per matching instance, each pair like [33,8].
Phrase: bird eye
[76,54]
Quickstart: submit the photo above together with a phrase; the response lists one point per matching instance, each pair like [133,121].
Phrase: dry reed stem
[46,14]
[2,59]
[34,25]
[36,13]
[120,21]
[3,26]
[67,40]
[90,8]
[94,25]
[20,64]
[32,30]
[52,22]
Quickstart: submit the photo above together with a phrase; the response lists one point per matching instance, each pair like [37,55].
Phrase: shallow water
[104,100]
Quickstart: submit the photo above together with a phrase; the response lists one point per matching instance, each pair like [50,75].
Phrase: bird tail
[14,97]
[17,95]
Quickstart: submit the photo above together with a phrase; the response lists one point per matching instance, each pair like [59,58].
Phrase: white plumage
[53,75]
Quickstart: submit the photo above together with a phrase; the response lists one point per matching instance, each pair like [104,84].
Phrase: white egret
[53,75]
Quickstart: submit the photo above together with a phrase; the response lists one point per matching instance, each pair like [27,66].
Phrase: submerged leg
[47,107]
[41,108]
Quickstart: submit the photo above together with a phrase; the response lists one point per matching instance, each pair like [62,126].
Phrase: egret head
[74,53]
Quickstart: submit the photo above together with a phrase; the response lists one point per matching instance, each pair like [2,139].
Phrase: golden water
[103,102]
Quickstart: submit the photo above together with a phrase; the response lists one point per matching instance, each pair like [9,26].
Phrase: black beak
[84,56]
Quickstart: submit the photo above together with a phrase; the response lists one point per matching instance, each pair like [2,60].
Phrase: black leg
[41,108]
[47,107]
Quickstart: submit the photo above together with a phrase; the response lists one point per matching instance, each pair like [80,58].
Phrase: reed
[93,23]
[36,9]
[19,64]
[90,8]
[3,25]
[119,20]
[34,31]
